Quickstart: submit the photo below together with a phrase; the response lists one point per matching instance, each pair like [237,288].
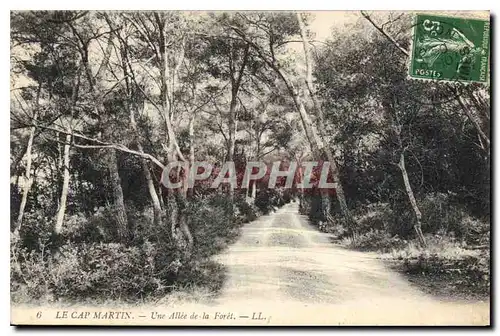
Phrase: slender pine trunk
[28,179]
[65,187]
[155,200]
[190,192]
[409,191]
[320,139]
[119,203]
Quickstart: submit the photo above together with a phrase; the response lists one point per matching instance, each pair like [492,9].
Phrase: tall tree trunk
[182,197]
[308,78]
[190,192]
[258,134]
[326,206]
[233,123]
[155,200]
[183,224]
[61,211]
[301,187]
[65,187]
[119,203]
[176,203]
[231,143]
[388,105]
[22,153]
[179,228]
[93,81]
[28,179]
[127,71]
[320,122]
[320,152]
[413,202]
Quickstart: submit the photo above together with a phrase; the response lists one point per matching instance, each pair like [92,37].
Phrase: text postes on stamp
[450,48]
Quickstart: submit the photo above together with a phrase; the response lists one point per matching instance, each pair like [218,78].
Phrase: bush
[80,229]
[440,214]
[375,216]
[28,272]
[205,274]
[316,215]
[447,247]
[368,218]
[101,226]
[36,231]
[304,205]
[447,257]
[211,224]
[94,271]
[267,200]
[374,240]
[85,263]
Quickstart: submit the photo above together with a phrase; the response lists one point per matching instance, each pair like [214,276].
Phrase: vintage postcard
[247,168]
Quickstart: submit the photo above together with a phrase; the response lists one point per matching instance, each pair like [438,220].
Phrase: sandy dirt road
[282,271]
[288,270]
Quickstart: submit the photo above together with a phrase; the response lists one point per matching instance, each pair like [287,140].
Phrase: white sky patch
[324,21]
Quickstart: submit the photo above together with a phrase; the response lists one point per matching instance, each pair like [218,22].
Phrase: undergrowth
[85,263]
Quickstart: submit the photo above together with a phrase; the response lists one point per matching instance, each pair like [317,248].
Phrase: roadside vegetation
[102,102]
[86,264]
[415,161]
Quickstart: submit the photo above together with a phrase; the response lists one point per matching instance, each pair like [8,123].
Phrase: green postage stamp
[450,48]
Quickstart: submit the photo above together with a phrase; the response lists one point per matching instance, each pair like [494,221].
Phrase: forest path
[284,267]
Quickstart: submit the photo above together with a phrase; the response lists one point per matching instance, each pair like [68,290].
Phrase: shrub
[367,219]
[374,240]
[36,231]
[244,211]
[304,205]
[375,216]
[85,263]
[101,226]
[79,229]
[266,200]
[211,224]
[94,271]
[448,257]
[28,272]
[440,214]
[476,232]
[201,274]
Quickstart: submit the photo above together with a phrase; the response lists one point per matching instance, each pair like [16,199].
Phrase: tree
[272,31]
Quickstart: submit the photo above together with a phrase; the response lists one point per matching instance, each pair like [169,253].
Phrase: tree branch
[389,37]
[102,144]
